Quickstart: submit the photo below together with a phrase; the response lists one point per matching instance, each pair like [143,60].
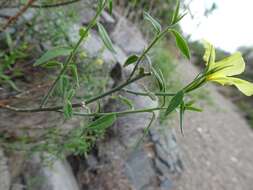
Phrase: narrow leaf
[181,116]
[51,54]
[125,101]
[110,6]
[158,78]
[71,94]
[52,64]
[175,102]
[180,17]
[105,37]
[67,110]
[103,122]
[181,44]
[130,60]
[191,108]
[175,13]
[75,73]
[153,21]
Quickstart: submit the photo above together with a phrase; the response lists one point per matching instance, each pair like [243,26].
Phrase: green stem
[153,42]
[71,56]
[76,105]
[120,113]
[147,94]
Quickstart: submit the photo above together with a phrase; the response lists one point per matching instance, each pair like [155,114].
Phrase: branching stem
[73,53]
[86,102]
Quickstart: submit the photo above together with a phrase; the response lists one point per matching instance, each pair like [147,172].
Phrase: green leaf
[103,122]
[63,84]
[67,110]
[110,6]
[130,60]
[125,100]
[105,37]
[100,3]
[71,94]
[83,32]
[181,43]
[175,13]
[159,78]
[8,80]
[52,64]
[175,102]
[180,17]
[75,73]
[153,21]
[181,116]
[191,108]
[51,54]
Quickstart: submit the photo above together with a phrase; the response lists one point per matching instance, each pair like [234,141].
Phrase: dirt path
[217,146]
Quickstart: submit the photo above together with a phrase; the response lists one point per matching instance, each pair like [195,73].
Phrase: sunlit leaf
[51,54]
[175,13]
[153,21]
[192,108]
[105,37]
[181,17]
[130,60]
[159,78]
[103,122]
[181,44]
[181,116]
[175,102]
[110,6]
[52,64]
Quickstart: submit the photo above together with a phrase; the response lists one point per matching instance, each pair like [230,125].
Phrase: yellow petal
[232,65]
[244,86]
[209,56]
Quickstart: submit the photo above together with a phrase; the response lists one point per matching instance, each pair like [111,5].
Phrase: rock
[168,158]
[94,47]
[5,178]
[140,172]
[128,37]
[56,176]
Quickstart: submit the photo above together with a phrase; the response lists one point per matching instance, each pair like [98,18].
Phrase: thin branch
[120,113]
[76,105]
[15,17]
[73,53]
[144,53]
[147,94]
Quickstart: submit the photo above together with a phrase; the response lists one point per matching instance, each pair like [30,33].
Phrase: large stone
[128,37]
[56,176]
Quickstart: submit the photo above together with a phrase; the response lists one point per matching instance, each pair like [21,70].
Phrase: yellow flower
[222,71]
[99,61]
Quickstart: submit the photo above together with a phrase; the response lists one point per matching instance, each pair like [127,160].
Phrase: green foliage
[175,102]
[181,44]
[51,54]
[11,60]
[154,22]
[130,60]
[105,37]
